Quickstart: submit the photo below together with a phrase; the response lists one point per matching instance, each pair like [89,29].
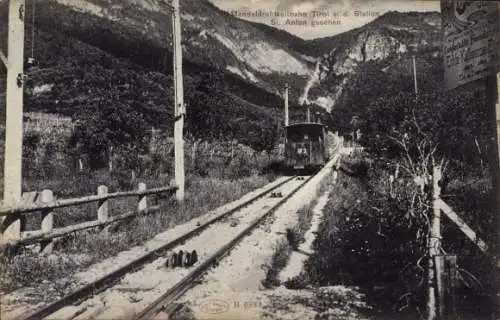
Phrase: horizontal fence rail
[4,211]
[38,235]
[46,203]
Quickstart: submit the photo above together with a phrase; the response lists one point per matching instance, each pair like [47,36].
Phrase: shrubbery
[375,234]
[380,242]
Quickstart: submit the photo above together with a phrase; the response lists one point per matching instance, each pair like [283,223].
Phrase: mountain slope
[392,37]
[254,60]
[76,78]
[141,31]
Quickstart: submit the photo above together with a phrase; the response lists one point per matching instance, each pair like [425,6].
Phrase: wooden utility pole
[497,116]
[415,76]
[493,104]
[434,244]
[14,61]
[286,104]
[178,100]
[497,182]
[492,89]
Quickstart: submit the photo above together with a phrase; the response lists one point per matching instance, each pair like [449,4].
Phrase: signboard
[470,40]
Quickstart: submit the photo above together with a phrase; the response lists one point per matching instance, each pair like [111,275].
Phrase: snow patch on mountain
[235,70]
[245,74]
[251,76]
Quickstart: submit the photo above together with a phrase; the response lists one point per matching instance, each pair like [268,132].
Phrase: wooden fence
[46,203]
[442,269]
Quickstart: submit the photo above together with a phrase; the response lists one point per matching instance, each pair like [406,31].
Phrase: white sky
[331,6]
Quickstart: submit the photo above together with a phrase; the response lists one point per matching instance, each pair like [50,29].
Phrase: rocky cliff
[392,37]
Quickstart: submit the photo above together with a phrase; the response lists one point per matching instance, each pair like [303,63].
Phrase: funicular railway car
[305,146]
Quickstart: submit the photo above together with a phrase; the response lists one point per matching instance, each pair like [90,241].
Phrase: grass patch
[294,237]
[344,198]
[278,262]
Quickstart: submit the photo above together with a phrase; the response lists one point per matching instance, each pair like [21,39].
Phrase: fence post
[142,205]
[434,243]
[193,154]
[110,159]
[22,221]
[47,222]
[451,276]
[103,209]
[440,286]
[447,266]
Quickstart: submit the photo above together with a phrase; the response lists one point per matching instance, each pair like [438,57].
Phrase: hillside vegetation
[212,40]
[115,103]
[405,136]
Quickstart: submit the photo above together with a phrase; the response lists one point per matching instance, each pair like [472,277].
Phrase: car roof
[299,124]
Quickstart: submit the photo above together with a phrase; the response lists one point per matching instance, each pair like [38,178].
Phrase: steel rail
[166,303]
[110,279]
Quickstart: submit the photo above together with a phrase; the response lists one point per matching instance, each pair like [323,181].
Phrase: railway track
[165,306]
[252,212]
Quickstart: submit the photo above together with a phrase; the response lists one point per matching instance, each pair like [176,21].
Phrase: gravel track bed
[136,290]
[233,290]
[20,302]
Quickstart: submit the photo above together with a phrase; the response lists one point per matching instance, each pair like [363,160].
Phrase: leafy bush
[278,262]
[240,167]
